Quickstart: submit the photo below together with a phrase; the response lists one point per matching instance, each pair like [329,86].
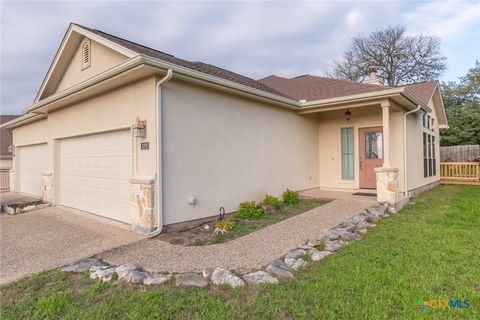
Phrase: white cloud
[448,19]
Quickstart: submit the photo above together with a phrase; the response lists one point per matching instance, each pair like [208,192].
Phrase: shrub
[290,197]
[249,210]
[225,225]
[271,200]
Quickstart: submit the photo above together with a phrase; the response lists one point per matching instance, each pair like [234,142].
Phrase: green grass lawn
[431,250]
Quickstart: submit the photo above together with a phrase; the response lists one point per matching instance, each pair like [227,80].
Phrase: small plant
[25,204]
[227,226]
[306,257]
[218,238]
[271,200]
[249,210]
[320,247]
[198,243]
[290,197]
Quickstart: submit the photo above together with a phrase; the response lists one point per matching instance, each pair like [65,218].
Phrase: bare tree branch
[399,59]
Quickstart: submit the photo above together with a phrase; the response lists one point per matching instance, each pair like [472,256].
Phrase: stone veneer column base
[141,204]
[387,185]
[47,186]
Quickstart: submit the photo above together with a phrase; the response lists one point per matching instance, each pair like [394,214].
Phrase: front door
[371,155]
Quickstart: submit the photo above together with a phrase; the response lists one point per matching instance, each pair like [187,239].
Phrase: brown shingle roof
[6,136]
[423,90]
[194,65]
[310,88]
[305,87]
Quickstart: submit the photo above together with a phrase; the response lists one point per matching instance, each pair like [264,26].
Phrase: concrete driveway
[53,237]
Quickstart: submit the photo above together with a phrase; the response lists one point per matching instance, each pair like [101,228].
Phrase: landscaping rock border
[281,269]
[17,210]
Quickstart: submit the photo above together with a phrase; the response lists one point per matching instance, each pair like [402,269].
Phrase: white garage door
[95,172]
[32,161]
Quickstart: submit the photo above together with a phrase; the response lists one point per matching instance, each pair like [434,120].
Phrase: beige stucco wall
[224,150]
[329,126]
[102,58]
[116,109]
[415,149]
[32,133]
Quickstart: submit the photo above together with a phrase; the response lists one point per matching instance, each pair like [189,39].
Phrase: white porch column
[387,177]
[386,134]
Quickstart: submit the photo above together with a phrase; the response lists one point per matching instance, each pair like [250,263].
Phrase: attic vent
[86,52]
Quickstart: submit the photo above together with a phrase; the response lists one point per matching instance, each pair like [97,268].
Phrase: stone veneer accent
[47,186]
[387,185]
[141,203]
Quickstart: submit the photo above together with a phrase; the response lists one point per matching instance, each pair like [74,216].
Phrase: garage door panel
[95,172]
[33,160]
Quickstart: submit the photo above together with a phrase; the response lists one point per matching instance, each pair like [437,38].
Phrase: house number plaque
[144,145]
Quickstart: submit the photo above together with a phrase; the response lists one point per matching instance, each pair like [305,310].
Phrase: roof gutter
[405,175]
[179,70]
[159,153]
[27,118]
[365,97]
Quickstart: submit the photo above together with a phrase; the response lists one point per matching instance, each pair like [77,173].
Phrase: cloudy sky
[252,38]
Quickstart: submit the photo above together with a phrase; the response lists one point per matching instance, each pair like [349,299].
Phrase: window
[425,156]
[347,154]
[434,166]
[433,124]
[373,145]
[86,53]
[424,120]
[430,160]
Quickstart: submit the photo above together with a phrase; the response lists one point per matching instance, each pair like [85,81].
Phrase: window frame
[425,156]
[349,155]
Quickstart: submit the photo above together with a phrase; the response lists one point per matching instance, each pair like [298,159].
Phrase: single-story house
[133,134]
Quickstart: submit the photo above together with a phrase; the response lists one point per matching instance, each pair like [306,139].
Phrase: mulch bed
[205,234]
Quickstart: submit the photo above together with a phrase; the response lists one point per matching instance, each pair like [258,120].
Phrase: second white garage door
[95,172]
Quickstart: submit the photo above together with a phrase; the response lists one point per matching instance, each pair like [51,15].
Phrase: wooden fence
[4,180]
[460,172]
[460,153]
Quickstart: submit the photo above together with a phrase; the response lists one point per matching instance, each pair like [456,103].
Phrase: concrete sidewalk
[252,251]
[53,237]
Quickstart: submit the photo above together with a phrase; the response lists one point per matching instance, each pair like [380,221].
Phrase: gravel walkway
[252,251]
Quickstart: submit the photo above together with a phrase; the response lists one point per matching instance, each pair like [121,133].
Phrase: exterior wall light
[348,115]
[139,128]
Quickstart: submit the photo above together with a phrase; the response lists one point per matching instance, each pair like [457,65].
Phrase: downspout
[159,154]
[405,175]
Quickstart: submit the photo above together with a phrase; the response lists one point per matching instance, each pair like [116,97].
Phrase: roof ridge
[421,82]
[126,40]
[343,80]
[193,65]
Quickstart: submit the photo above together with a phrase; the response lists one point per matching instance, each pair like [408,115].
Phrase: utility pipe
[159,154]
[405,175]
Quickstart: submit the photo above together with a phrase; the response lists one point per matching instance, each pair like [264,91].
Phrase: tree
[398,58]
[462,105]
